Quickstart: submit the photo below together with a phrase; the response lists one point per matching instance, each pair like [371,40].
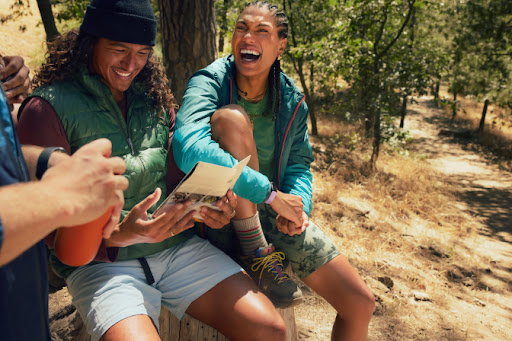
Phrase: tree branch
[399,33]
[381,30]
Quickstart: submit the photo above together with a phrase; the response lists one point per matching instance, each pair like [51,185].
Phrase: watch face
[273,187]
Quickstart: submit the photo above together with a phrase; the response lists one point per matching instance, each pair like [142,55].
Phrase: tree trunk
[454,106]
[172,329]
[376,123]
[45,9]
[299,68]
[482,120]
[188,39]
[403,111]
[190,329]
[312,103]
[436,93]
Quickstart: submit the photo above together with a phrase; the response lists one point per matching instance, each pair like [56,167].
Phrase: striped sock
[250,234]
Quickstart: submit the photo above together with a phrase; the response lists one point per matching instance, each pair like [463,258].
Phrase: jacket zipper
[284,141]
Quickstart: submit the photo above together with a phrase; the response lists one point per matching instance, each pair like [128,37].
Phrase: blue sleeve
[297,178]
[192,141]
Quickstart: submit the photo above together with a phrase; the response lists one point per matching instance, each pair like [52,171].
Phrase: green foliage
[381,50]
[70,9]
[395,138]
[482,49]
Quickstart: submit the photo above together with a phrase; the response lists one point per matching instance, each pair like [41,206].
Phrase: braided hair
[274,76]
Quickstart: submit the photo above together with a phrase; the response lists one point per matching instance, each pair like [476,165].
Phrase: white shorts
[107,293]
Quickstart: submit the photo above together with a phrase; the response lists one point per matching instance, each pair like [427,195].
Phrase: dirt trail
[484,189]
[468,281]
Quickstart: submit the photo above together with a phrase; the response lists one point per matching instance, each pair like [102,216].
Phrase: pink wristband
[271,197]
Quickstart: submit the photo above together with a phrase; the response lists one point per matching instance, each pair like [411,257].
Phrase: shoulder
[56,89]
[292,96]
[219,70]
[289,89]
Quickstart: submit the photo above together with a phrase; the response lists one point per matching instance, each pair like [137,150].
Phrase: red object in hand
[78,245]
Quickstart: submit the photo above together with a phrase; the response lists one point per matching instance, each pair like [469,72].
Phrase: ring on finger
[233,213]
[172,233]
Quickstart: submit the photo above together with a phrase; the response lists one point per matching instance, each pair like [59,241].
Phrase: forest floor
[430,282]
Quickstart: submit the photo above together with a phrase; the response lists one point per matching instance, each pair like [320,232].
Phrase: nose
[128,61]
[248,35]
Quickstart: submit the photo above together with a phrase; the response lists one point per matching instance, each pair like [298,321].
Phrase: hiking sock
[250,234]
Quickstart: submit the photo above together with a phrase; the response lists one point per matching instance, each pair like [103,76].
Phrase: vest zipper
[130,144]
[129,102]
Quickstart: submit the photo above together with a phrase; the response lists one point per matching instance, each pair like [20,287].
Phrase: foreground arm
[74,191]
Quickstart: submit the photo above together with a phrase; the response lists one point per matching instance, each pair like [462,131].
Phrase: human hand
[137,228]
[87,183]
[218,219]
[289,206]
[14,75]
[288,227]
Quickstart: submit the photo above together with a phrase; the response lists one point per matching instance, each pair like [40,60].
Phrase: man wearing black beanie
[104,81]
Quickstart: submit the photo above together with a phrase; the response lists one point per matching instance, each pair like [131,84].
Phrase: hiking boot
[266,269]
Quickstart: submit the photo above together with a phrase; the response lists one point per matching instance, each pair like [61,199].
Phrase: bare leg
[237,309]
[231,129]
[340,284]
[133,328]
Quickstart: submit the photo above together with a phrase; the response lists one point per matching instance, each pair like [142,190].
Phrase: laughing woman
[244,105]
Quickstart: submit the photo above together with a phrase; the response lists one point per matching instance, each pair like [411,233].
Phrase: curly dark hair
[70,52]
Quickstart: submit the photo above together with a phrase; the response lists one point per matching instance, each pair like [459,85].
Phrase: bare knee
[230,124]
[367,304]
[272,328]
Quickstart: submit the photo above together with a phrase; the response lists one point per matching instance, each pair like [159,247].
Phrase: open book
[203,185]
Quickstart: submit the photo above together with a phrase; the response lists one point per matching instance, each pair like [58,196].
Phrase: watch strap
[273,193]
[44,157]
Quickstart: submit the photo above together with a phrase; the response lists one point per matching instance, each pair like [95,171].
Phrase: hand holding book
[204,185]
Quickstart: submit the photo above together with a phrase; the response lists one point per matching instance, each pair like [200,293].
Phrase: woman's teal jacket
[214,87]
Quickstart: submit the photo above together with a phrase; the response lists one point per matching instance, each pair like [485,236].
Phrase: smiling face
[255,43]
[118,63]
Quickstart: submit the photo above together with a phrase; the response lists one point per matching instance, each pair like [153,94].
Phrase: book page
[203,185]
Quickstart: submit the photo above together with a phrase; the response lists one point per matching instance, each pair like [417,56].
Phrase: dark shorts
[306,252]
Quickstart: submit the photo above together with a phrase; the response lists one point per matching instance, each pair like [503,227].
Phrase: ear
[282,45]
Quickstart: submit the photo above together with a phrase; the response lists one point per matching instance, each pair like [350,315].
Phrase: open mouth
[249,55]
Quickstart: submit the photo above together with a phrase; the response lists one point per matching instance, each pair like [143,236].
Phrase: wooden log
[189,329]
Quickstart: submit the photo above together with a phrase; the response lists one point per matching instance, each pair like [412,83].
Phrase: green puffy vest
[88,111]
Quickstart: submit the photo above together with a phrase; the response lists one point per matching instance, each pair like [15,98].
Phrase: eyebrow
[263,24]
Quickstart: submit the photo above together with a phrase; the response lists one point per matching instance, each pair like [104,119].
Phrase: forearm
[25,222]
[31,155]
[193,143]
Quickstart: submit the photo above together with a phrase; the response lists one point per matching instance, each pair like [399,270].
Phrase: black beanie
[128,21]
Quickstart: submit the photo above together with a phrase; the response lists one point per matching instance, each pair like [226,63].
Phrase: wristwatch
[272,195]
[44,157]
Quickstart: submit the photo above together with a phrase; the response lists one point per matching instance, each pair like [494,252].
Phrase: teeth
[254,53]
[122,73]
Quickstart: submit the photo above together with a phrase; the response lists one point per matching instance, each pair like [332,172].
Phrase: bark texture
[188,39]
